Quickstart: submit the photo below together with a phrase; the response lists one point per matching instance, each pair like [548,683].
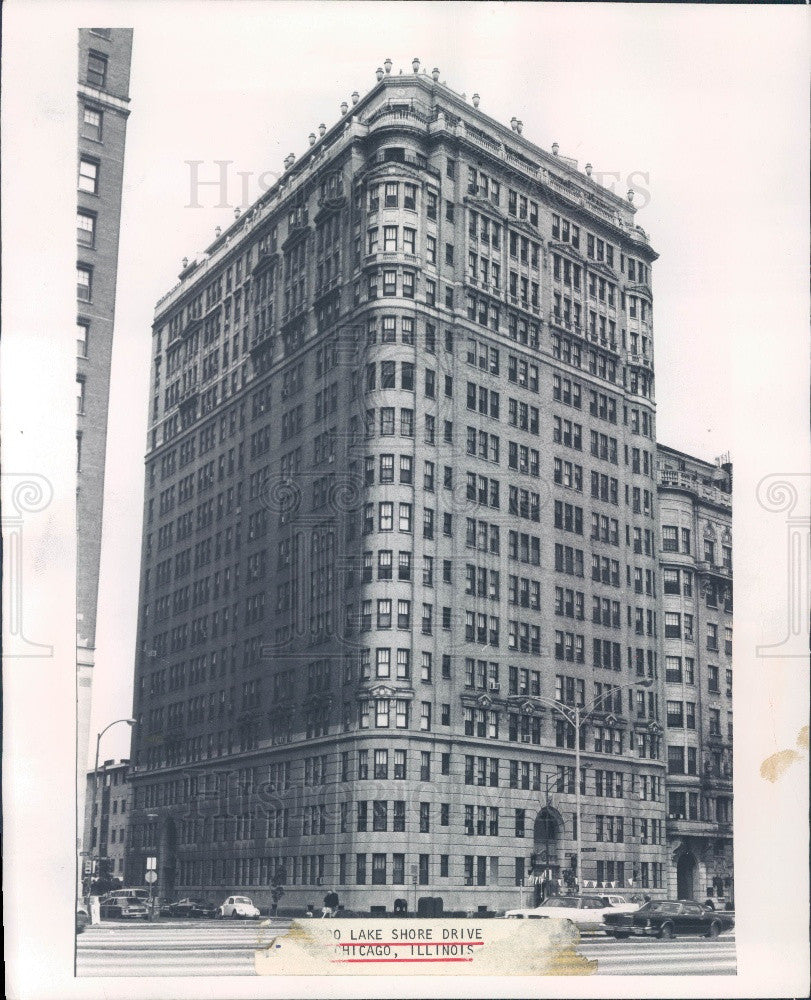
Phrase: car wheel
[621,935]
[666,932]
[234,914]
[714,929]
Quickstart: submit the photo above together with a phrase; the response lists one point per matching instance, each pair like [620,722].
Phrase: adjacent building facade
[400,518]
[106,817]
[103,108]
[695,499]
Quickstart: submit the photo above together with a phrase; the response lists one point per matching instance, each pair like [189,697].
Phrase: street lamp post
[93,835]
[577,717]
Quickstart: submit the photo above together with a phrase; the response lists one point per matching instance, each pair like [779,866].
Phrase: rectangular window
[82,335]
[86,229]
[88,176]
[379,863]
[425,817]
[423,869]
[84,283]
[380,816]
[96,69]
[91,124]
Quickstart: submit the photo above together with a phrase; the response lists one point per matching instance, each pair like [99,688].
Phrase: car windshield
[560,902]
[242,899]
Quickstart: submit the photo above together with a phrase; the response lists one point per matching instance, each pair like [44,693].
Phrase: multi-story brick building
[401,515]
[103,108]
[105,830]
[695,500]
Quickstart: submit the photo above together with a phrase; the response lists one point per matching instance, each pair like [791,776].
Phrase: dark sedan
[188,908]
[666,918]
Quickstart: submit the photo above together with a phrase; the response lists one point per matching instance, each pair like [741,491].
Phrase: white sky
[705,103]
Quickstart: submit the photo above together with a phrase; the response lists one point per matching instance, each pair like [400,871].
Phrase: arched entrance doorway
[686,876]
[547,836]
[167,860]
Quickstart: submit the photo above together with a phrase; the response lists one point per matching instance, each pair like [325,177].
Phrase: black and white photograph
[369,613]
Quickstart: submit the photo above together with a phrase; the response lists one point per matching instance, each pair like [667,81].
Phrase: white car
[585,912]
[238,906]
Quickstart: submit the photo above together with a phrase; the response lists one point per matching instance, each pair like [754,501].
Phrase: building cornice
[555,178]
[119,104]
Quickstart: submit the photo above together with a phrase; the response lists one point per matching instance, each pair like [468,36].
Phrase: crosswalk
[688,956]
[226,948]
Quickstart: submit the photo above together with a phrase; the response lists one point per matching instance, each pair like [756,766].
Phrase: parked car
[238,906]
[119,893]
[585,912]
[666,918]
[625,903]
[123,906]
[82,917]
[188,908]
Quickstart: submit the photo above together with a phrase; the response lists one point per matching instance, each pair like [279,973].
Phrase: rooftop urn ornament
[311,137]
[513,122]
[217,230]
[435,74]
[387,65]
[344,107]
[237,212]
[415,64]
[631,195]
[379,73]
[355,97]
[322,128]
[588,170]
[476,100]
[555,148]
[519,127]
[186,260]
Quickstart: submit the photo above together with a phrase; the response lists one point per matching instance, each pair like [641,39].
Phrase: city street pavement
[226,948]
[684,956]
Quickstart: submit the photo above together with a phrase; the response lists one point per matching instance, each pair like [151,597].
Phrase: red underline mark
[347,960]
[403,944]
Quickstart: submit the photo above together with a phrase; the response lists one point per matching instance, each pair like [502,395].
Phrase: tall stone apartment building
[400,516]
[102,108]
[695,500]
[105,827]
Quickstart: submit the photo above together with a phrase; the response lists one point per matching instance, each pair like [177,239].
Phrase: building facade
[102,108]
[106,817]
[400,518]
[695,499]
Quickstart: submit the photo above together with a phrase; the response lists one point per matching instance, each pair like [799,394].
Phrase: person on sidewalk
[330,904]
